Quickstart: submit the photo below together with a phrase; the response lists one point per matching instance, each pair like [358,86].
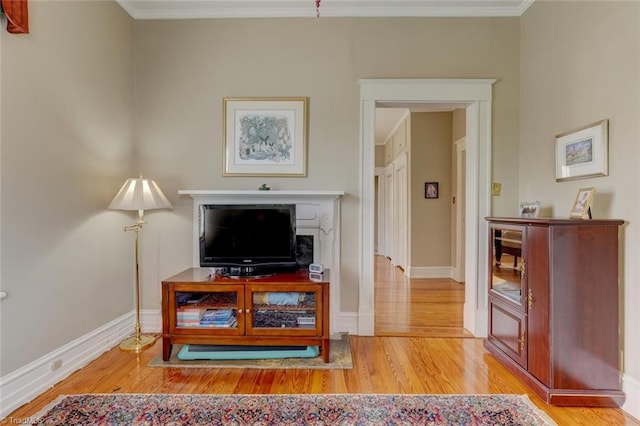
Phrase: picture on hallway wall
[431,190]
[265,136]
[583,152]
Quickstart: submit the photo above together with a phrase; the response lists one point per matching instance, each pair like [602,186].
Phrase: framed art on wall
[265,136]
[583,152]
[431,190]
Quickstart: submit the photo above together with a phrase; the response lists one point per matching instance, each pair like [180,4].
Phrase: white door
[400,176]
[379,213]
[388,213]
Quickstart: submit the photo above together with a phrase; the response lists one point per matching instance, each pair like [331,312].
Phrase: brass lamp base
[137,343]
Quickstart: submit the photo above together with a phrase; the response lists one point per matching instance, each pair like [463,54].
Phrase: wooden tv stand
[285,309]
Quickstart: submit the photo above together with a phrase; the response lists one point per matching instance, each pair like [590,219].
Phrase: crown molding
[208,9]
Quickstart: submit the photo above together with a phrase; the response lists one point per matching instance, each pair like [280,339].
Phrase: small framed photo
[582,205]
[583,153]
[431,190]
[265,136]
[529,209]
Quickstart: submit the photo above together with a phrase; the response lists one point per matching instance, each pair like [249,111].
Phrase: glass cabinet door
[202,310]
[290,311]
[507,262]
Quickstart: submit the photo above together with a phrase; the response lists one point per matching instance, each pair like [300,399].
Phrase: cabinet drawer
[508,330]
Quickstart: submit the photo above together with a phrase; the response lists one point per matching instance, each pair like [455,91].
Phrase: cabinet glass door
[507,263]
[215,310]
[288,312]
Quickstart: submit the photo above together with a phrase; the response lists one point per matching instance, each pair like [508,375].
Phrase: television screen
[262,235]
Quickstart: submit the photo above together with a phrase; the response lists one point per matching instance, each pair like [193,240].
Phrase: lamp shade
[140,194]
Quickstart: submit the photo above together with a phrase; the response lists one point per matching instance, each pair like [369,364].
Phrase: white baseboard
[348,323]
[151,320]
[430,272]
[22,385]
[631,386]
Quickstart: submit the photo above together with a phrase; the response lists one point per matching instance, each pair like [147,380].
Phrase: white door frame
[476,93]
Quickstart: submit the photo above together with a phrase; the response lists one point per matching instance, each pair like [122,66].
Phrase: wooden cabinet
[285,309]
[553,307]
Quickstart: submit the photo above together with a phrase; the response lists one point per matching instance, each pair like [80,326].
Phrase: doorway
[477,95]
[413,296]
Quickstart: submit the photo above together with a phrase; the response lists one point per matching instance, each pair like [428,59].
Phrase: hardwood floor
[416,307]
[382,364]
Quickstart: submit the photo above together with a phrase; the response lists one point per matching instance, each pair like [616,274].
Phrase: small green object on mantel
[264,187]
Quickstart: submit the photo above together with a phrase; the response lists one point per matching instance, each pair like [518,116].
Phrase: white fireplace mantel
[317,214]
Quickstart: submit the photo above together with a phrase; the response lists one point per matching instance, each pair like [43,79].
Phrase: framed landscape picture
[583,152]
[265,136]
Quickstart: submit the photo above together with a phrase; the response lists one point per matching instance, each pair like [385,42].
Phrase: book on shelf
[233,322]
[197,298]
[191,298]
[189,313]
[217,317]
[188,323]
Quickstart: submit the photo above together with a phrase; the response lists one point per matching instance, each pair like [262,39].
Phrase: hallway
[425,307]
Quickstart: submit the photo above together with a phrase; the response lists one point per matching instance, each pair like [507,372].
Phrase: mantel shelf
[269,193]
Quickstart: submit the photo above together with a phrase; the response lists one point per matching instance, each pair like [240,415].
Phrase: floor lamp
[138,194]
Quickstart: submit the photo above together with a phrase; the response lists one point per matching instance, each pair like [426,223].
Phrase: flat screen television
[248,239]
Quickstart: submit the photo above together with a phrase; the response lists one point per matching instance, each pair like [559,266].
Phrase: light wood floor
[416,307]
[382,364]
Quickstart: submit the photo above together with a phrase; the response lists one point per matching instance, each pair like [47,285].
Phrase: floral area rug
[320,409]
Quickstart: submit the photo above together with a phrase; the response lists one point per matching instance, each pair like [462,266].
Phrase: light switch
[496,188]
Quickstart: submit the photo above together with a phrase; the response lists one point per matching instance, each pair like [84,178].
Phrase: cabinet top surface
[555,221]
[203,276]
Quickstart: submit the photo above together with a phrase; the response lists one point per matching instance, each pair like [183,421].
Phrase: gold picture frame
[583,153]
[582,205]
[265,136]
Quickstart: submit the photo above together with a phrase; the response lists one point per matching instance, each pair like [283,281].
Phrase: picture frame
[431,190]
[582,205]
[529,209]
[583,153]
[265,136]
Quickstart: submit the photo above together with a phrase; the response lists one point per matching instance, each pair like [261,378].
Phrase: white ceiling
[197,9]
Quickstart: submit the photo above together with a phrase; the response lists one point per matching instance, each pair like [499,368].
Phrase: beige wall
[67,144]
[79,125]
[580,63]
[431,162]
[185,68]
